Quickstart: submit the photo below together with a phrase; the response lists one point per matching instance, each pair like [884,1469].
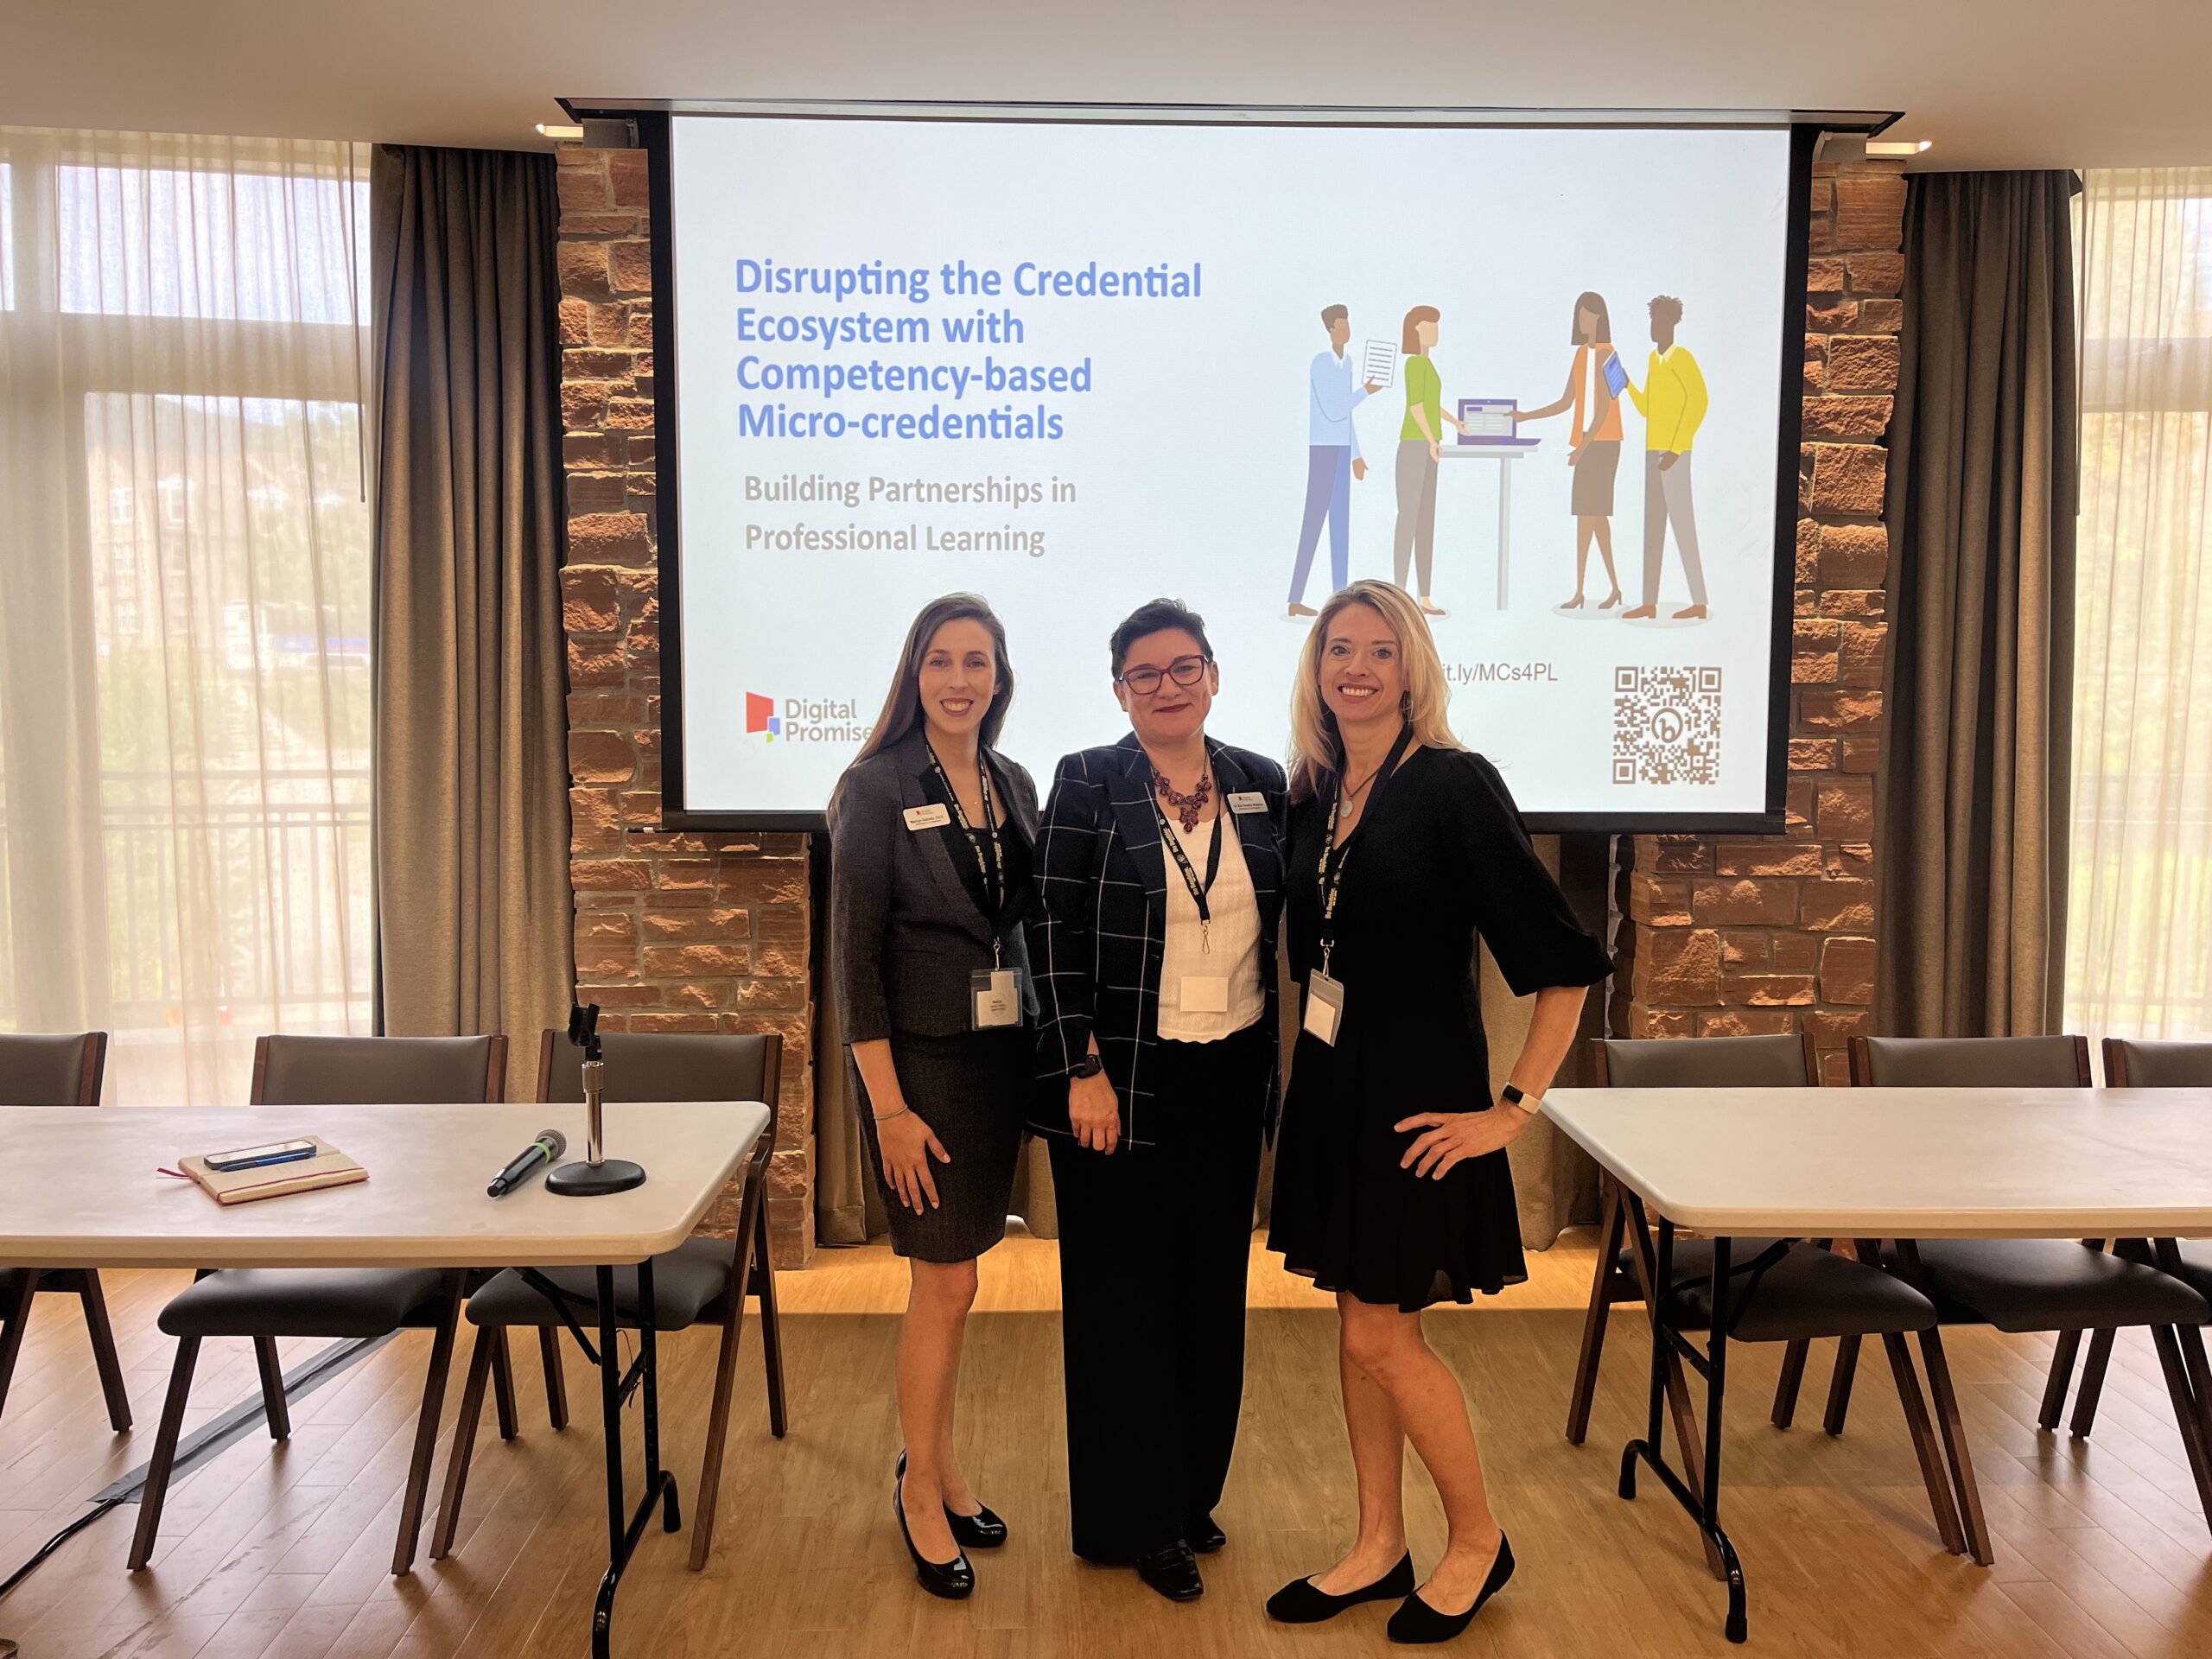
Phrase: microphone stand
[597,1174]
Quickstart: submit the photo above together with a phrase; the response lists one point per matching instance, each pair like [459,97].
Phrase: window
[184,670]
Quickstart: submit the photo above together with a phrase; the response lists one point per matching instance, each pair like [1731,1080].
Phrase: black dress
[1439,855]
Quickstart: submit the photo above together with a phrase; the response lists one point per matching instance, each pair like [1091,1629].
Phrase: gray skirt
[1592,494]
[973,1092]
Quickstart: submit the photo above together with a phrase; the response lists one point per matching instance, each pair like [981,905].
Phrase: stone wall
[1733,936]
[673,932]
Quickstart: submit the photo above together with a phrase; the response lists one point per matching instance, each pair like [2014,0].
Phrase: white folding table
[1899,1165]
[1504,455]
[81,1189]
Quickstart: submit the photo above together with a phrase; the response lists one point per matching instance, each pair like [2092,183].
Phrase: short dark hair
[1152,618]
[1332,314]
[1666,308]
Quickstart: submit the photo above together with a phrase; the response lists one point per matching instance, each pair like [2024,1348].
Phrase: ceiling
[1993,83]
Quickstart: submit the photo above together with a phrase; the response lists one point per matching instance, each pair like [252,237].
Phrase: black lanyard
[1333,857]
[992,866]
[1174,845]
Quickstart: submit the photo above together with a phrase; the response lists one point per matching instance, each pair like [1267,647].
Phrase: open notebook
[329,1167]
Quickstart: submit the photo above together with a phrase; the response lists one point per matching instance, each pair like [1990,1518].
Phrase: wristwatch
[1088,1066]
[1513,1097]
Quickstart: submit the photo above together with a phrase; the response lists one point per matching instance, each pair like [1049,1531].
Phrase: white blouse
[1235,935]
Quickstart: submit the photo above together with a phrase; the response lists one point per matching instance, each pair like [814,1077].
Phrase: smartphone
[277,1151]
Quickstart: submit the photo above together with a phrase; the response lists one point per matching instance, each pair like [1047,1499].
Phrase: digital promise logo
[804,720]
[760,715]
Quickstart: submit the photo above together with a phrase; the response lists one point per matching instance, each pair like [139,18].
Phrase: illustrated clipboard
[1379,363]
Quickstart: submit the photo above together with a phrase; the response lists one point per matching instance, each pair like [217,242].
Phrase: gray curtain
[472,814]
[1972,796]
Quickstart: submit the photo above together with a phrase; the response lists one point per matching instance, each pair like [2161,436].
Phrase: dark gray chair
[1777,1062]
[2027,1285]
[40,1070]
[701,1281]
[2130,1064]
[267,1303]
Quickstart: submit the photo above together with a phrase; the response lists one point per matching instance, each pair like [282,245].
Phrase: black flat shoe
[955,1579]
[1203,1537]
[1417,1622]
[982,1530]
[1173,1571]
[1300,1603]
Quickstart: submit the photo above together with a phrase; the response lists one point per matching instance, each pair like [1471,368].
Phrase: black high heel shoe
[1300,1603]
[955,1579]
[1417,1622]
[982,1530]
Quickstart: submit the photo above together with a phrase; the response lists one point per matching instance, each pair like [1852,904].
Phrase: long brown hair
[1317,749]
[902,705]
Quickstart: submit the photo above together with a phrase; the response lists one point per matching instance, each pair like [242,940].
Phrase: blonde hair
[1316,751]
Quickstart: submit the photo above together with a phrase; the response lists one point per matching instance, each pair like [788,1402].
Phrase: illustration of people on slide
[1672,401]
[1333,459]
[1420,449]
[1593,388]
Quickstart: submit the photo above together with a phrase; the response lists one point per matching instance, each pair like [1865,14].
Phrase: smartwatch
[1513,1097]
[1088,1066]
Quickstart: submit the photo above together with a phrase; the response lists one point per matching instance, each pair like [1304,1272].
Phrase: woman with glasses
[1391,1186]
[932,835]
[1159,874]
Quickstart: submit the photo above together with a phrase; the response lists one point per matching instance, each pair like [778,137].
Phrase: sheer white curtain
[2140,908]
[184,598]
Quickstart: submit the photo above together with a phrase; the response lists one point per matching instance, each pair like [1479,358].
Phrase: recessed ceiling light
[1902,148]
[570,134]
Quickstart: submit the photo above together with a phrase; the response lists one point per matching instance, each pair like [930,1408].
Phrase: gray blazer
[905,931]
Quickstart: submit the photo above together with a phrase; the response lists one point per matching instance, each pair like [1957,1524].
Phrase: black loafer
[1416,1622]
[982,1530]
[1203,1537]
[1173,1571]
[953,1580]
[1300,1603]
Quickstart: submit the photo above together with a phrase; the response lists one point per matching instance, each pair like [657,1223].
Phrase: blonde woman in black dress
[932,836]
[1391,1183]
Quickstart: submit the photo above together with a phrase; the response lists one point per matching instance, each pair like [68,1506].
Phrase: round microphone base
[589,1181]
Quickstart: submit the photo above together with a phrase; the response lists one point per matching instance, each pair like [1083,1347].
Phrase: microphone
[548,1146]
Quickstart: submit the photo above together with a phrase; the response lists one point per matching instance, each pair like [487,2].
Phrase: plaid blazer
[1099,931]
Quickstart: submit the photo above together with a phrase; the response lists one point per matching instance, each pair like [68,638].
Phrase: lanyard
[1190,876]
[993,867]
[1334,858]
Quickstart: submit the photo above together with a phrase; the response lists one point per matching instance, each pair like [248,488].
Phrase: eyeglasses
[1184,670]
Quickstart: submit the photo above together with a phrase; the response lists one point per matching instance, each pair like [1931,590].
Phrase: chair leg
[1933,1474]
[1593,1320]
[503,1381]
[14,1321]
[463,1449]
[1847,1367]
[103,1354]
[772,1325]
[2059,1379]
[705,1502]
[557,1381]
[2092,1384]
[272,1388]
[156,1489]
[417,1490]
[1786,1385]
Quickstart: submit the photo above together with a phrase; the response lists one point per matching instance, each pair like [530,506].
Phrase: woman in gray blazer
[932,835]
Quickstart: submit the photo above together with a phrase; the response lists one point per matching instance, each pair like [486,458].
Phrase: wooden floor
[284,1552]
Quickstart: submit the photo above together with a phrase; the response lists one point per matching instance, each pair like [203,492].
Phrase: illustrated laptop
[1487,424]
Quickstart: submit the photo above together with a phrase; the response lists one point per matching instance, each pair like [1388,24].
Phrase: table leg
[622,1533]
[1505,525]
[1648,1276]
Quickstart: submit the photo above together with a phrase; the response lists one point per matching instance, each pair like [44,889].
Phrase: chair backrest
[378,1070]
[667,1065]
[2130,1064]
[64,1070]
[1780,1062]
[1970,1062]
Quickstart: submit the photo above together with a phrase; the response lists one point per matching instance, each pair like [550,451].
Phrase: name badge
[1325,1007]
[933,816]
[1204,993]
[1248,800]
[996,994]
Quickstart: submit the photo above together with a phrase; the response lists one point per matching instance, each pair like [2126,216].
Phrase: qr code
[1665,725]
